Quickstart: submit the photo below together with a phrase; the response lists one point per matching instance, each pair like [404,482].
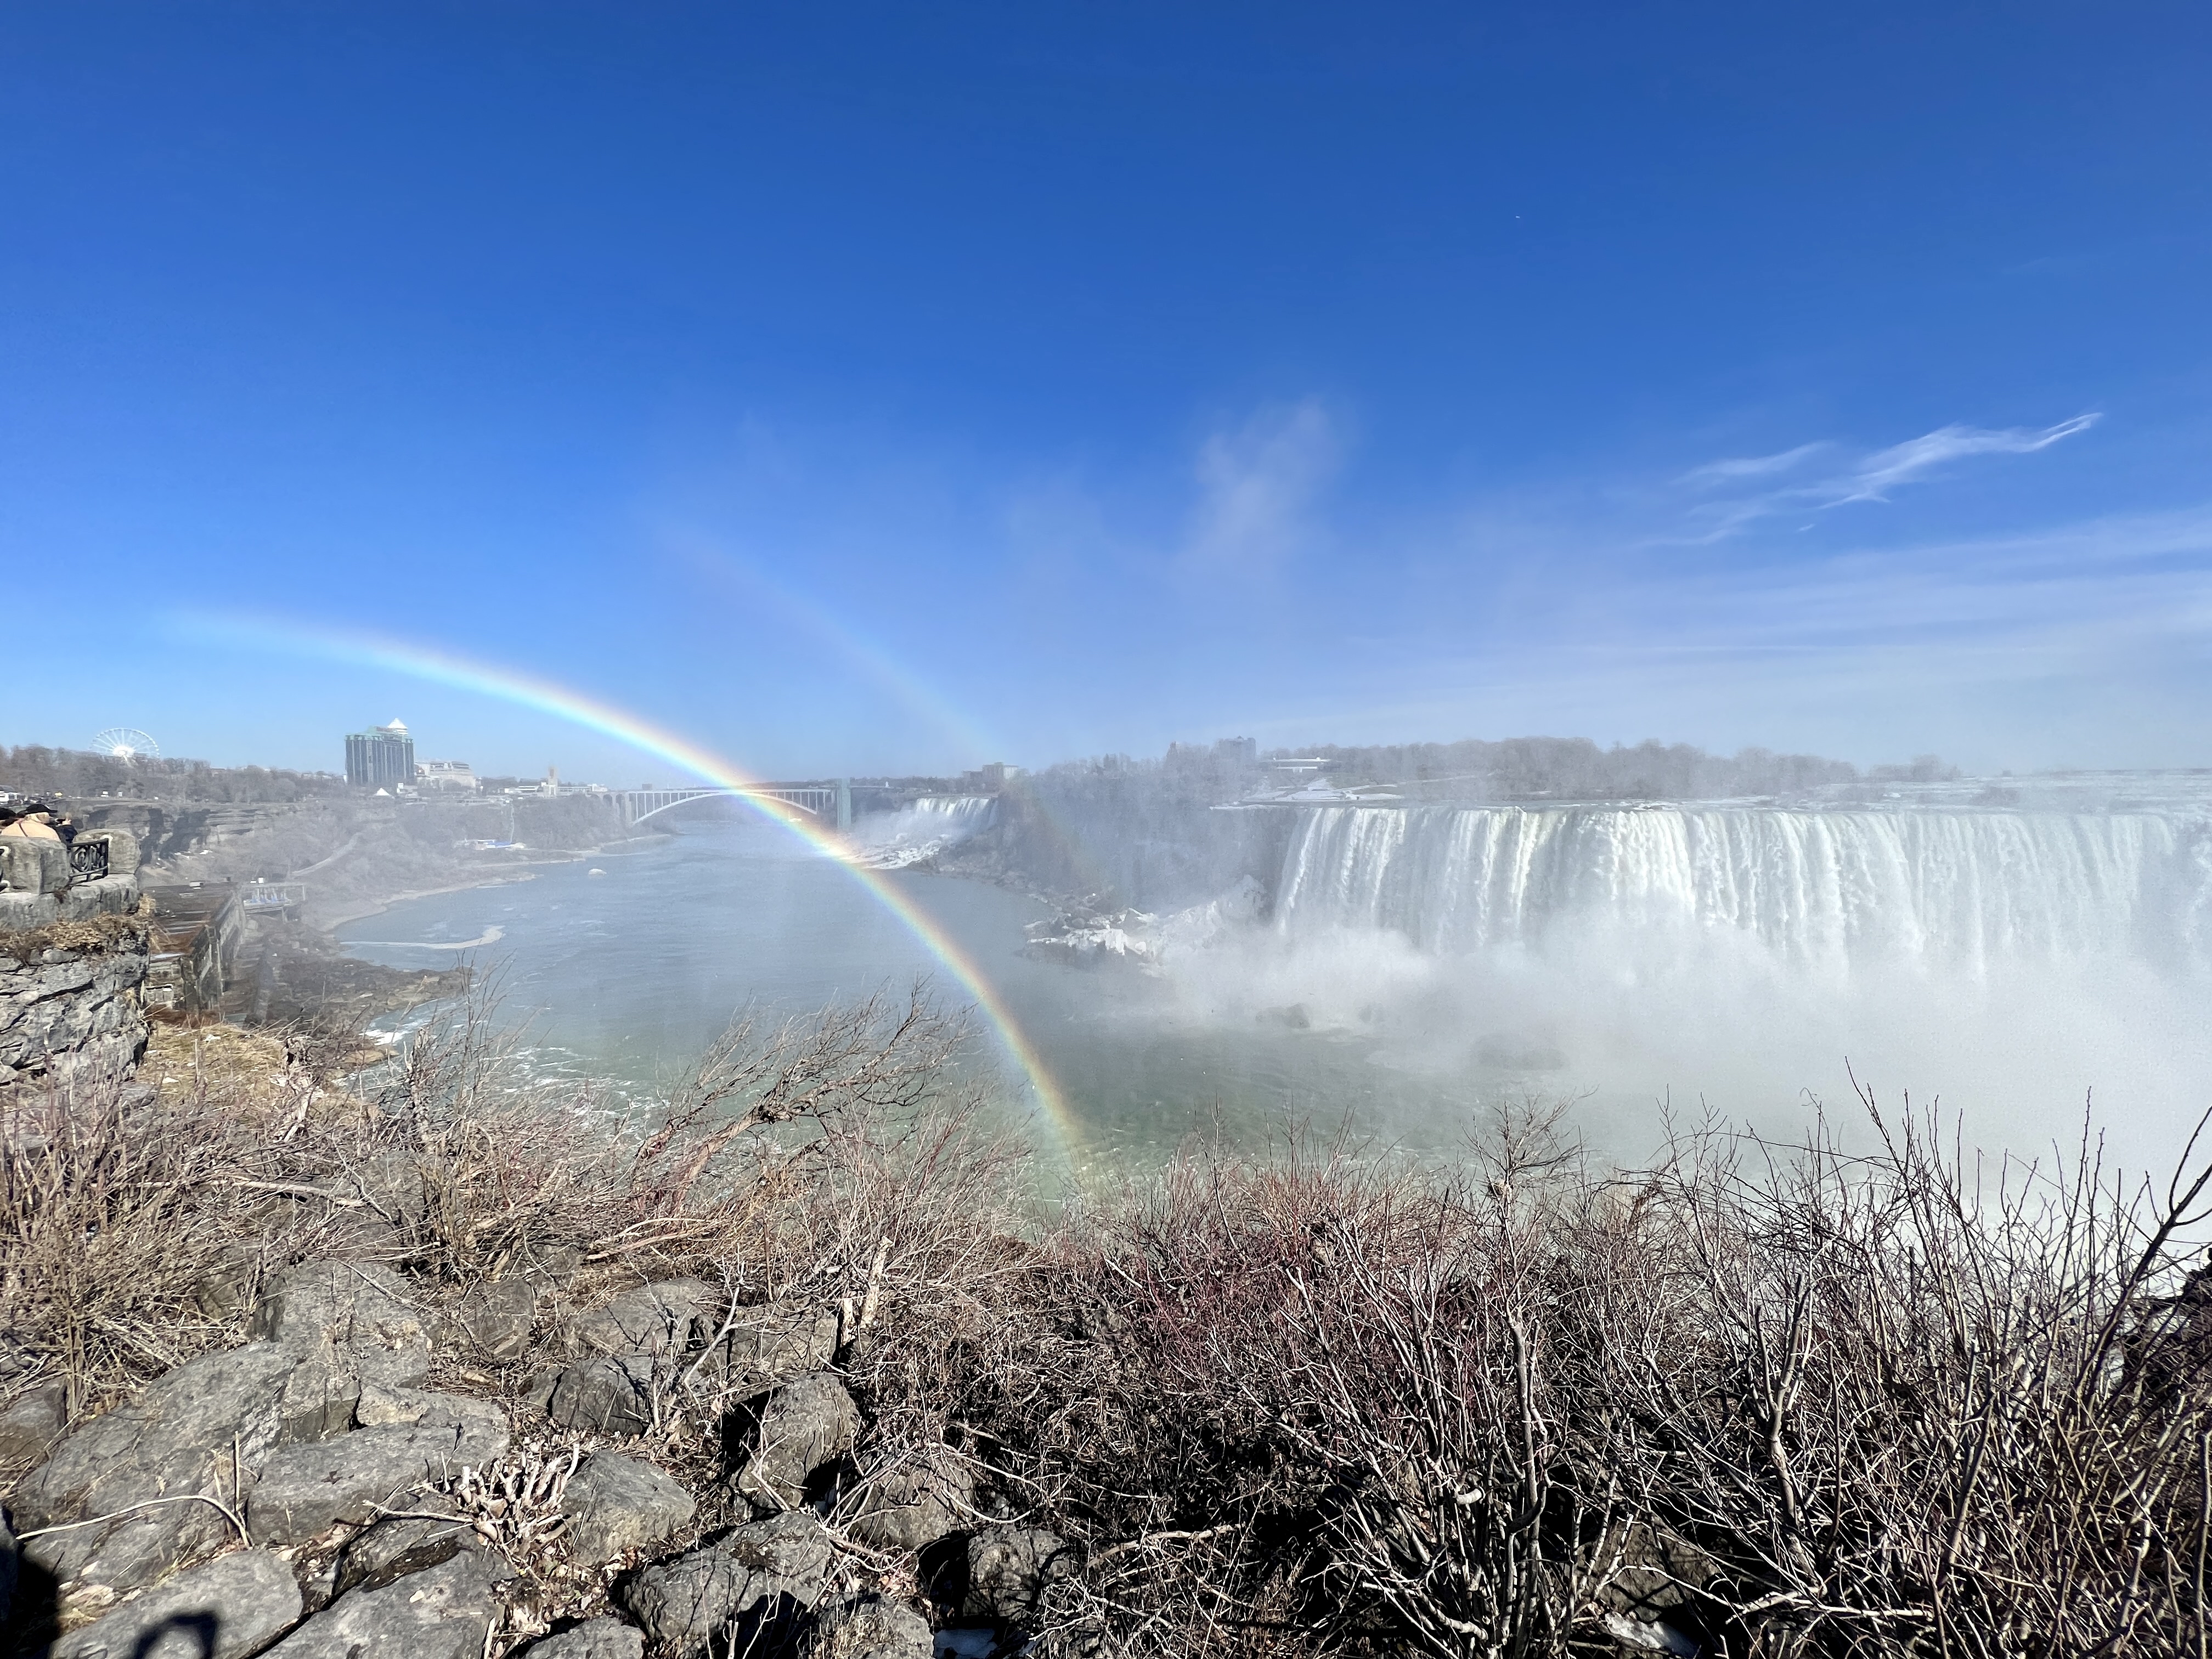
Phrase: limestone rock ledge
[71,967]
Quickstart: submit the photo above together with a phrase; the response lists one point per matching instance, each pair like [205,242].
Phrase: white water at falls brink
[1818,889]
[933,824]
[1747,959]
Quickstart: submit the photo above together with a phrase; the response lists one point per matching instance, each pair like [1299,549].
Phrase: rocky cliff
[72,958]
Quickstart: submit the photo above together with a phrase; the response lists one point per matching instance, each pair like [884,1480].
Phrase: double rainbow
[510,685]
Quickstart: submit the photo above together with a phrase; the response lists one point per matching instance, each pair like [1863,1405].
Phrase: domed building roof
[397,728]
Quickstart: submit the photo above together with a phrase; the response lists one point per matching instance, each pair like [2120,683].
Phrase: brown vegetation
[1785,1401]
[98,933]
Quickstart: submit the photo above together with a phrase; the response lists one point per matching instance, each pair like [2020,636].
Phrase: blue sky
[887,388]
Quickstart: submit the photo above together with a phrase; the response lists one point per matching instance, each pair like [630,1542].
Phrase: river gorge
[1400,970]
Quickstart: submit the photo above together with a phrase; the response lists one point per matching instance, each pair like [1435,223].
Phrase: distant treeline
[1145,832]
[1509,769]
[1577,768]
[33,770]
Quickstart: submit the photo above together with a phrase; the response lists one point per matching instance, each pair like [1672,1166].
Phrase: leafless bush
[1904,1411]
[796,1153]
[474,1169]
[1794,1400]
[114,1212]
[703,1178]
[1360,1360]
[1791,1401]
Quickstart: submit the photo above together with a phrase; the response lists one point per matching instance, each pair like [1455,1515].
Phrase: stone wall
[72,959]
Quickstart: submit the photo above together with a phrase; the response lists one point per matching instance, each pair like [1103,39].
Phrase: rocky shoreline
[355,1473]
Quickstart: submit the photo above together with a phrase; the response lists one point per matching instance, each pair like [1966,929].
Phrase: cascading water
[1827,890]
[932,823]
[1738,957]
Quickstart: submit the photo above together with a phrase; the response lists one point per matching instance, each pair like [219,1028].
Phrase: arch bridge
[831,803]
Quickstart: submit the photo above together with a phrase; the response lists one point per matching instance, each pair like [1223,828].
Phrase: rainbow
[529,691]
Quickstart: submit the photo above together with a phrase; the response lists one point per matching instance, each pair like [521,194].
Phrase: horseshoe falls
[1827,892]
[1751,961]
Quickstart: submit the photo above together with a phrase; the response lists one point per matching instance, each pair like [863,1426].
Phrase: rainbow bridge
[827,802]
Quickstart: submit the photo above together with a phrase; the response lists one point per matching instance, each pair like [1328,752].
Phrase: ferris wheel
[126,743]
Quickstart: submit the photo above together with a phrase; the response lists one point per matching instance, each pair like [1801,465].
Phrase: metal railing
[88,860]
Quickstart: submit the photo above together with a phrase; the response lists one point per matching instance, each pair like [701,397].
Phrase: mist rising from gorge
[1742,935]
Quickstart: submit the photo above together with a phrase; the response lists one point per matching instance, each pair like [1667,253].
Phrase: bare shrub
[1896,1404]
[1349,1369]
[702,1177]
[115,1209]
[468,1168]
[474,1168]
[1794,1400]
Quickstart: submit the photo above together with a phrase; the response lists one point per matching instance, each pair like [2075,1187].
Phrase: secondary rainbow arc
[532,692]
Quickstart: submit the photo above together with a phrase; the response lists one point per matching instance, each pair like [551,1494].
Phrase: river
[628,974]
[1670,976]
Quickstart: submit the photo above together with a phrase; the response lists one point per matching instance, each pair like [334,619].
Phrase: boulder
[494,1319]
[1010,1569]
[177,1437]
[304,1491]
[361,1309]
[230,1607]
[320,1397]
[34,1422]
[1661,1576]
[354,1324]
[11,1569]
[914,1502]
[223,1290]
[652,1319]
[444,1612]
[607,1396]
[770,1345]
[394,1548]
[794,1546]
[757,1589]
[619,1504]
[867,1627]
[803,1426]
[381,1408]
[683,1604]
[595,1638]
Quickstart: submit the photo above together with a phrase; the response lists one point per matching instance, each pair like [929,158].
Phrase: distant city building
[995,774]
[446,774]
[1245,752]
[382,757]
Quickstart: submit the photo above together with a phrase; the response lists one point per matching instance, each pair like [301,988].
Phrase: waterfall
[1827,888]
[932,823]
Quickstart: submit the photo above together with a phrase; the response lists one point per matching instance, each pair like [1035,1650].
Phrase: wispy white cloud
[1870,477]
[1901,463]
[1257,486]
[2077,644]
[1752,467]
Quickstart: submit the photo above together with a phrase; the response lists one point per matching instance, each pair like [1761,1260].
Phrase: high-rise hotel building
[382,757]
